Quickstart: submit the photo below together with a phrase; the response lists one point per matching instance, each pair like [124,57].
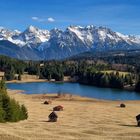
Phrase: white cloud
[50,19]
[38,19]
[35,18]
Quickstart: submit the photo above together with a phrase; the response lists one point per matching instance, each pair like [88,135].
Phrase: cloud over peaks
[50,19]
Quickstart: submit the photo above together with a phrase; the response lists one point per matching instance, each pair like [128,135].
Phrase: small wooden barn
[58,108]
[53,117]
[138,120]
[47,102]
[122,105]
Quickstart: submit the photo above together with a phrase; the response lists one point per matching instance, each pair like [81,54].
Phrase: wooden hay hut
[138,120]
[53,117]
[47,102]
[58,108]
[122,105]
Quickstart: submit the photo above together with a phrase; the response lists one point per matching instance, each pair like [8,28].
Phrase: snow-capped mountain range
[38,44]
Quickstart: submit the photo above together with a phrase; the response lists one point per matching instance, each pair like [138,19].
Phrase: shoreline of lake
[127,88]
[27,81]
[42,87]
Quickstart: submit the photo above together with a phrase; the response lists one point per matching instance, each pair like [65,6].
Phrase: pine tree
[24,112]
[19,76]
[2,114]
[137,87]
[10,110]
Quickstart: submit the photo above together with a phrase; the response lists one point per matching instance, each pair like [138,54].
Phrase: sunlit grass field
[114,71]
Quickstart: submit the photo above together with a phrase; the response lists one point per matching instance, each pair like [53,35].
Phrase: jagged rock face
[38,44]
[31,37]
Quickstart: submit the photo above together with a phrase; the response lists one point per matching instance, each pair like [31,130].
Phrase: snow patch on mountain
[30,37]
[82,33]
[57,44]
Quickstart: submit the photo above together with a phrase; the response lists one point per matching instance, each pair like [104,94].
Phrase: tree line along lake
[76,89]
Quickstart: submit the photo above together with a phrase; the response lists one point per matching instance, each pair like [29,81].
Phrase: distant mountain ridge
[38,44]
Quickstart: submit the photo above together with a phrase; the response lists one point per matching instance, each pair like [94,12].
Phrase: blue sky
[119,15]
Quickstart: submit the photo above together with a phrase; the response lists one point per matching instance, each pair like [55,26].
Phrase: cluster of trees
[58,69]
[10,110]
[112,80]
[137,87]
[88,70]
[11,67]
[52,71]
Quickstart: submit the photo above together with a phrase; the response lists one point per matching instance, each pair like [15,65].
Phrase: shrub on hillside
[10,110]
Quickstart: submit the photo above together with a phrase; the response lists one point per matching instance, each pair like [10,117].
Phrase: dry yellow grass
[114,71]
[82,119]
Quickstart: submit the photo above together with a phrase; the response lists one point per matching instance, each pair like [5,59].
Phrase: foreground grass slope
[81,119]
